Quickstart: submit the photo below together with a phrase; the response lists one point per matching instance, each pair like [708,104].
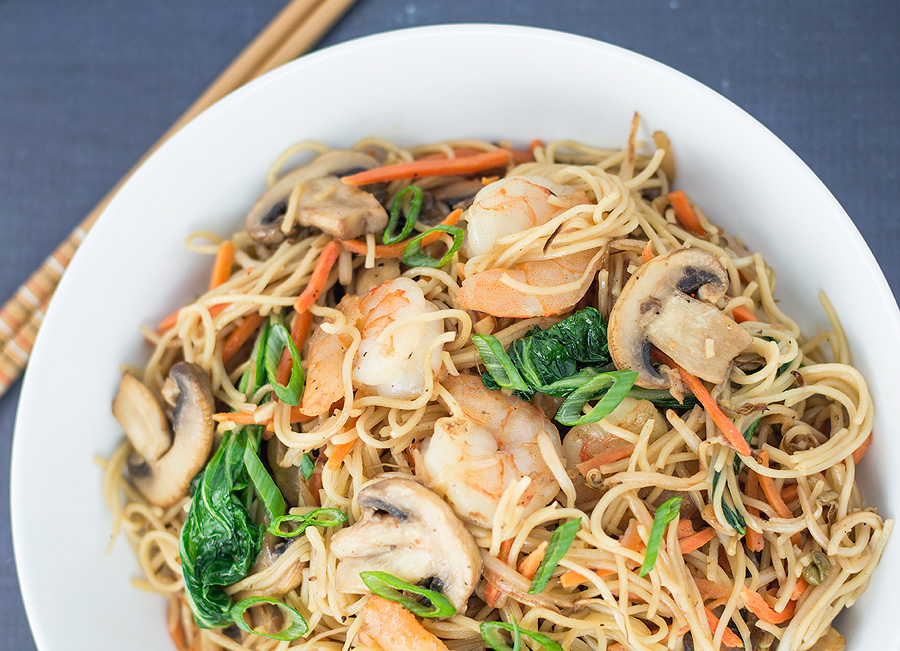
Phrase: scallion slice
[278,338]
[387,586]
[490,633]
[570,411]
[665,513]
[297,628]
[411,215]
[307,465]
[266,489]
[498,363]
[562,538]
[414,257]
[327,517]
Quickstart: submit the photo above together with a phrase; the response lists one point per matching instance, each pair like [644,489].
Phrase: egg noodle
[785,523]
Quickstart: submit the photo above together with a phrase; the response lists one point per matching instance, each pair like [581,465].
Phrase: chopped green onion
[297,628]
[665,513]
[560,541]
[498,363]
[387,586]
[570,411]
[411,215]
[414,257]
[732,517]
[749,434]
[490,633]
[266,489]
[278,338]
[662,398]
[326,517]
[307,465]
[255,375]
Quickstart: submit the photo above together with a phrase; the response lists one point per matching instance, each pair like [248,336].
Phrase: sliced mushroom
[830,641]
[287,477]
[408,531]
[344,211]
[271,580]
[668,303]
[165,459]
[458,194]
[368,279]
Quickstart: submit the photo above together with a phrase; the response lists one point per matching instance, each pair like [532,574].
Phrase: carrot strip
[799,588]
[171,320]
[692,543]
[790,493]
[299,332]
[529,565]
[396,250]
[728,638]
[631,539]
[319,277]
[518,157]
[647,253]
[773,496]
[758,606]
[339,454]
[491,593]
[684,213]
[606,457]
[755,541]
[859,452]
[736,440]
[248,418]
[240,335]
[431,167]
[393,627]
[742,313]
[221,270]
[711,589]
[537,142]
[684,529]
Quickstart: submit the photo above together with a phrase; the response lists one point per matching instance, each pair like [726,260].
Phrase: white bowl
[412,86]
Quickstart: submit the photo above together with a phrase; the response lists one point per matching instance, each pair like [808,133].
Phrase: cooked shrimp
[487,292]
[391,364]
[513,205]
[473,457]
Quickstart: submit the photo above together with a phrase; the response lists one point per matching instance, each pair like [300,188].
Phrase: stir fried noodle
[618,439]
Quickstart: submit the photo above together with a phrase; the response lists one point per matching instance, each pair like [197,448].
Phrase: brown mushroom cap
[344,211]
[668,303]
[166,459]
[410,532]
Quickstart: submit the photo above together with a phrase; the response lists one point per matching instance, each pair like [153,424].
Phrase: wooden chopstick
[293,32]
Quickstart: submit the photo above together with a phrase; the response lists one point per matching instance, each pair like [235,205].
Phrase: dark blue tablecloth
[86,86]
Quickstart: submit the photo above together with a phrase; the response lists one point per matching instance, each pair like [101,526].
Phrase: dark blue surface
[86,86]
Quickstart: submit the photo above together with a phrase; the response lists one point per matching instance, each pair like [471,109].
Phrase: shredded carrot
[684,529]
[487,180]
[422,168]
[491,593]
[694,542]
[394,628]
[606,457]
[299,332]
[684,212]
[319,277]
[396,250]
[773,496]
[647,253]
[529,565]
[171,320]
[728,638]
[340,453]
[790,493]
[758,606]
[711,589]
[742,314]
[240,335]
[518,157]
[221,271]
[859,452]
[631,539]
[537,142]
[799,588]
[736,440]
[248,418]
[755,541]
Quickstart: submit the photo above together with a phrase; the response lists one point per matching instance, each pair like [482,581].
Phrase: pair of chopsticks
[294,31]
